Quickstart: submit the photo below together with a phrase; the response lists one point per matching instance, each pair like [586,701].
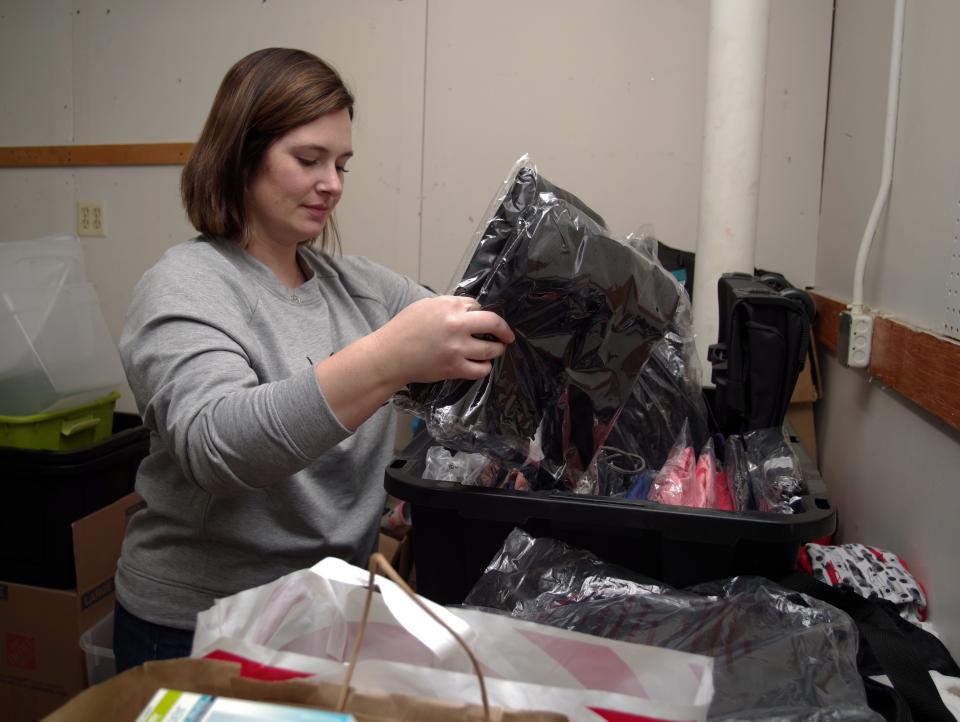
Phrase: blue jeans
[136,641]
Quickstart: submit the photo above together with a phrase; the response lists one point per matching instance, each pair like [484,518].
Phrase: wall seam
[423,140]
[823,149]
[74,12]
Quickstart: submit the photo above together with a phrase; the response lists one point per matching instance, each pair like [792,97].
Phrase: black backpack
[764,336]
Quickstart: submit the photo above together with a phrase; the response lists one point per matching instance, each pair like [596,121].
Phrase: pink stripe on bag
[594,666]
[612,715]
[255,670]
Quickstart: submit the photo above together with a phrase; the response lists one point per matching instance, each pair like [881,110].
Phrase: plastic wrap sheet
[778,655]
[587,309]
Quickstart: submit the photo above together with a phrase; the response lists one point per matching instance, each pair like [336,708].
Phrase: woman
[262,365]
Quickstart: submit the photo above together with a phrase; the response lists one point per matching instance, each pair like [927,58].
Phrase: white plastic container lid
[29,269]
[55,348]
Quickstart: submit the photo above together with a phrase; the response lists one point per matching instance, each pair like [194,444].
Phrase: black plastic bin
[458,529]
[44,492]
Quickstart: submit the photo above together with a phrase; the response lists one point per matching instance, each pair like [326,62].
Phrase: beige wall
[892,468]
[607,97]
[36,107]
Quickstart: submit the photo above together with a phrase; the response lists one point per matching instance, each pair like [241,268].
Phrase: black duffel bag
[764,337]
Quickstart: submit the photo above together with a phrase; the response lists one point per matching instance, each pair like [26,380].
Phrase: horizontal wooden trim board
[94,155]
[918,364]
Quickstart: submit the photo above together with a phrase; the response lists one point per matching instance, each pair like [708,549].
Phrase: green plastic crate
[64,430]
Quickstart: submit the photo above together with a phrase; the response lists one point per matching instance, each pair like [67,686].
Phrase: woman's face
[300,181]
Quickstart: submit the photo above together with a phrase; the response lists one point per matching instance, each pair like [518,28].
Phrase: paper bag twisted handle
[377,560]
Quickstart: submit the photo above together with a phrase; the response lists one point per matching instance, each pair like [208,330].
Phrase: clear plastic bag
[704,491]
[722,496]
[668,391]
[778,655]
[666,395]
[675,479]
[445,465]
[617,470]
[588,311]
[738,475]
[775,475]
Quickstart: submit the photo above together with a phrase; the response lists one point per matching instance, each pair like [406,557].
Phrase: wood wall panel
[94,155]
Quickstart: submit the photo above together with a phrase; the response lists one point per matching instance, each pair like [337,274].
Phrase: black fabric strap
[890,647]
[886,701]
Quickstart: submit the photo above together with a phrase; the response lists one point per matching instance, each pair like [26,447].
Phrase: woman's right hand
[430,340]
[437,338]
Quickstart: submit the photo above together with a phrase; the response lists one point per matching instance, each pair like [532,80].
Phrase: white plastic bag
[308,622]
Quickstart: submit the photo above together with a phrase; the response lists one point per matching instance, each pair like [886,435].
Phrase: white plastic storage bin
[56,351]
[97,645]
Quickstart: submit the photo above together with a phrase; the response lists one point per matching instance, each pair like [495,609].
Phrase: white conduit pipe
[889,143]
[733,131]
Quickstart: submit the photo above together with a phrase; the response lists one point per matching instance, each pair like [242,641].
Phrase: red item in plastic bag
[701,491]
[724,497]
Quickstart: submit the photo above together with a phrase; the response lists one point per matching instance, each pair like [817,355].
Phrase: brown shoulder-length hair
[262,97]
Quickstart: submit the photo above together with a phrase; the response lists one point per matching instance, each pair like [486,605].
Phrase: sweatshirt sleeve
[368,279]
[184,350]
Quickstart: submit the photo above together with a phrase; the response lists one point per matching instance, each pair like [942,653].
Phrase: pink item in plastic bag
[677,473]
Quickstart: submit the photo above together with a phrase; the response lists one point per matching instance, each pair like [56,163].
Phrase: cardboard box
[388,546]
[800,411]
[801,420]
[41,663]
[398,550]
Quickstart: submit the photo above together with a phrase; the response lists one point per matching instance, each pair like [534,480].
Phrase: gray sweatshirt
[250,474]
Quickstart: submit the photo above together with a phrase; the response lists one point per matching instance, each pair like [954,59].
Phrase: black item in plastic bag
[617,471]
[738,473]
[778,655]
[775,475]
[666,394]
[587,311]
[890,646]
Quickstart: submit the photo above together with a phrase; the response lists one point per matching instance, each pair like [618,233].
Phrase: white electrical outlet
[90,220]
[855,339]
[951,321]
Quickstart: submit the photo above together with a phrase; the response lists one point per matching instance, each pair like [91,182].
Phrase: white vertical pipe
[889,142]
[733,131]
